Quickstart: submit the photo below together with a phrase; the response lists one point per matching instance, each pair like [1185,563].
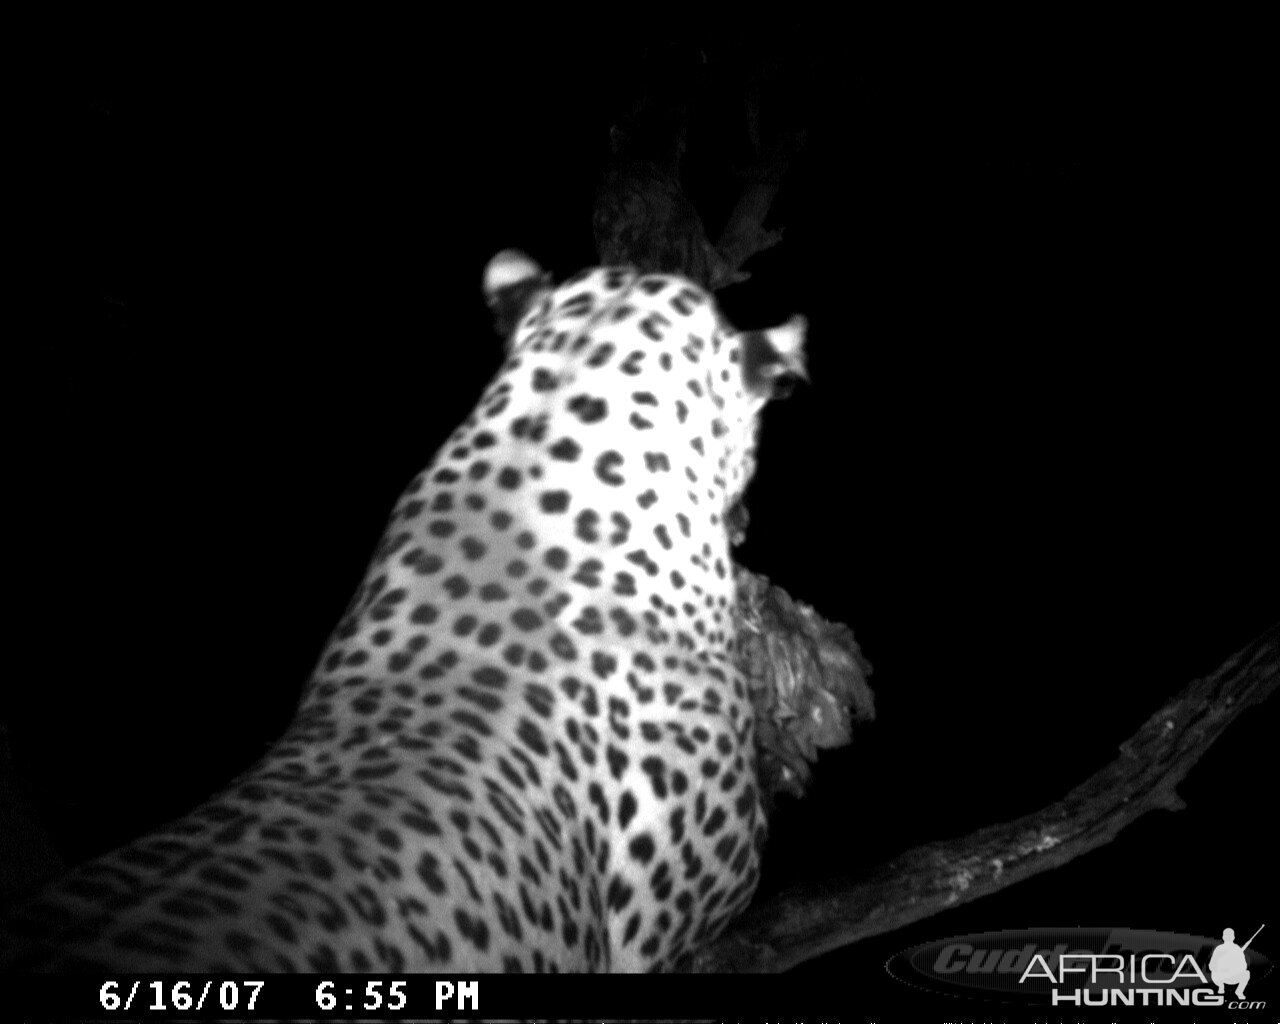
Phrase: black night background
[1034,470]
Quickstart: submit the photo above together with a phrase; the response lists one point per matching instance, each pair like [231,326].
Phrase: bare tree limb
[808,921]
[642,216]
[744,234]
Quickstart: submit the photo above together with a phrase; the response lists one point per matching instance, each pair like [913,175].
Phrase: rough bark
[813,919]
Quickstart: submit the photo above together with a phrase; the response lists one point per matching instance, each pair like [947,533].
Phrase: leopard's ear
[773,359]
[512,282]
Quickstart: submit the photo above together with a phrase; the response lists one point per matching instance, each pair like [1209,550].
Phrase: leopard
[527,745]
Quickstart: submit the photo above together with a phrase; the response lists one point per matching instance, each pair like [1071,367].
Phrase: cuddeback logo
[1089,967]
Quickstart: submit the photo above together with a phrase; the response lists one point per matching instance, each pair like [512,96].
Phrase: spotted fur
[525,746]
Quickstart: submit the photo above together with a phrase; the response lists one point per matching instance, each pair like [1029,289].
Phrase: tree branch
[808,921]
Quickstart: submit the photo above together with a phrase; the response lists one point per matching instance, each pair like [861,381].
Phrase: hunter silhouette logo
[1227,965]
